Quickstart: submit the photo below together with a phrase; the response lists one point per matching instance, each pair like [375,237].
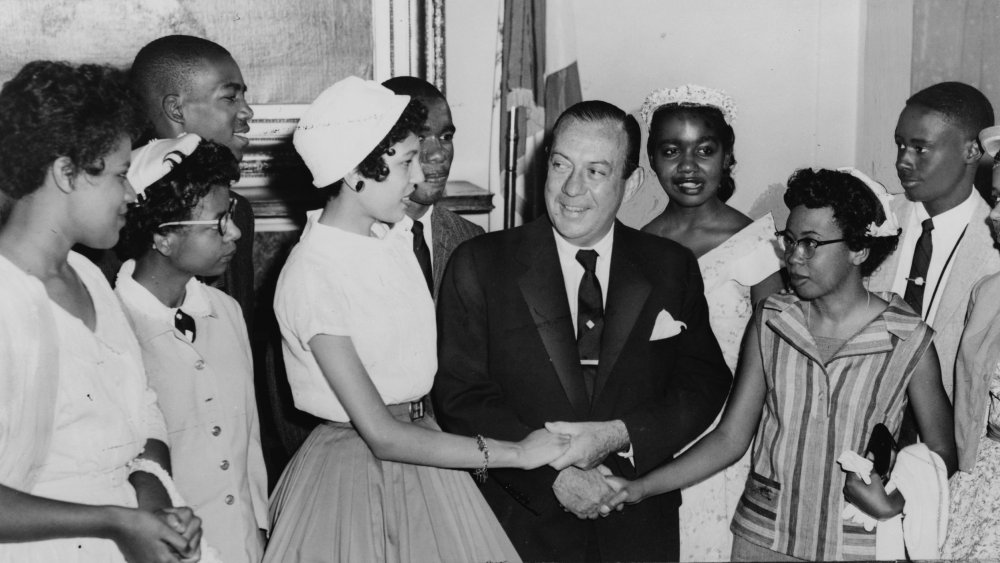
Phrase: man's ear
[173,108]
[973,152]
[634,182]
[63,174]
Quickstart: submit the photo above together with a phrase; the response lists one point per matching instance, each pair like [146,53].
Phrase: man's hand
[591,442]
[582,492]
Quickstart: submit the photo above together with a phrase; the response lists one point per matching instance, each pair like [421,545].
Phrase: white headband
[156,159]
[889,227]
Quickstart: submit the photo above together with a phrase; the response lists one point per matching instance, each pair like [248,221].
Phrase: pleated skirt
[337,502]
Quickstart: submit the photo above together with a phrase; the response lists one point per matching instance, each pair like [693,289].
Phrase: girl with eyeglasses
[819,369]
[193,337]
[82,442]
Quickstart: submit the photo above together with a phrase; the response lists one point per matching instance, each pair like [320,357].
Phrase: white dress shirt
[573,271]
[948,229]
[425,220]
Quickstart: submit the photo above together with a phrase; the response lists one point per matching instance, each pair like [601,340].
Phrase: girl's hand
[144,537]
[626,492]
[183,521]
[872,498]
[540,448]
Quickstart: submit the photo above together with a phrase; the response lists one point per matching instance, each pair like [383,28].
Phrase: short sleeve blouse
[368,288]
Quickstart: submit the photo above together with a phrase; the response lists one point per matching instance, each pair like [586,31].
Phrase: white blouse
[368,288]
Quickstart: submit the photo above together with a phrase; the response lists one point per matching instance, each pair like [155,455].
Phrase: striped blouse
[813,411]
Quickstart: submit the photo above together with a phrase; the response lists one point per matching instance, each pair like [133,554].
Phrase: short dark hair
[413,86]
[592,111]
[55,109]
[165,66]
[959,103]
[174,196]
[716,121]
[854,207]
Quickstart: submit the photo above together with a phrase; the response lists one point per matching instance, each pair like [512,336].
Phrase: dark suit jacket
[508,363]
[448,230]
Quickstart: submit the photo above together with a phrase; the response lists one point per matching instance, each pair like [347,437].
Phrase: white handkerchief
[666,326]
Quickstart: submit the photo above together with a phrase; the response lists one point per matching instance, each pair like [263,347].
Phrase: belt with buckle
[417,409]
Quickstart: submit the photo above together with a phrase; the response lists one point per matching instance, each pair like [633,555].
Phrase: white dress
[728,271]
[104,413]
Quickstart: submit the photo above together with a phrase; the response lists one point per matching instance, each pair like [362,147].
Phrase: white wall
[794,68]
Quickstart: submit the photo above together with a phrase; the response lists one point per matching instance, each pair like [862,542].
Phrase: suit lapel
[628,290]
[441,245]
[968,267]
[543,288]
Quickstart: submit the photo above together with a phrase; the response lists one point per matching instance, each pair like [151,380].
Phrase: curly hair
[174,196]
[411,121]
[854,208]
[716,122]
[54,109]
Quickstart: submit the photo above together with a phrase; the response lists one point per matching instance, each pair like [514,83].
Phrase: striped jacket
[812,413]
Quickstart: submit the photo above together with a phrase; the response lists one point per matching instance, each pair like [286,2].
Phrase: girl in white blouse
[75,411]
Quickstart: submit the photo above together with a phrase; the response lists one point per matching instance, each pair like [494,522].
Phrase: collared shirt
[573,271]
[814,411]
[948,229]
[206,393]
[425,220]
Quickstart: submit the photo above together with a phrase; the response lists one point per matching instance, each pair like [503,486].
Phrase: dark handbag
[880,447]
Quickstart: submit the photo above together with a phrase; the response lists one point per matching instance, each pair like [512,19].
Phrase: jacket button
[224,465]
[200,364]
[230,499]
[216,431]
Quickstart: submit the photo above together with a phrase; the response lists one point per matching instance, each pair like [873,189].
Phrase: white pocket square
[666,326]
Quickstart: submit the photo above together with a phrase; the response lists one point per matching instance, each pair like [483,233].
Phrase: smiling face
[386,200]
[584,186]
[199,250]
[436,152]
[214,104]
[932,159]
[100,201]
[832,267]
[687,157]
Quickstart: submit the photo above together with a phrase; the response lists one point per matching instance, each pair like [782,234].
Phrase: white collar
[568,249]
[140,300]
[955,219]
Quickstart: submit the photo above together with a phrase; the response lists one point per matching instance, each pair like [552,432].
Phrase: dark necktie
[917,281]
[184,323]
[589,318]
[423,254]
[914,296]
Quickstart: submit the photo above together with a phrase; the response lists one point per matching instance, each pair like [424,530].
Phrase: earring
[359,186]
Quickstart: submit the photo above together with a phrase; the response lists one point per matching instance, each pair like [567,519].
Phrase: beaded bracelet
[480,473]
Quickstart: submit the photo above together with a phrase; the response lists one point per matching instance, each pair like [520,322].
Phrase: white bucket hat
[990,138]
[343,125]
[156,159]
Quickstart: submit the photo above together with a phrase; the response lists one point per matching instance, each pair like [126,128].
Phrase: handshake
[584,486]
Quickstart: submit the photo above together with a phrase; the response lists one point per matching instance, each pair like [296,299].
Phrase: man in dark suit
[576,317]
[442,230]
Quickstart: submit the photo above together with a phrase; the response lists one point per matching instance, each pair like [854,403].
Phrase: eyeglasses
[806,246]
[222,223]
